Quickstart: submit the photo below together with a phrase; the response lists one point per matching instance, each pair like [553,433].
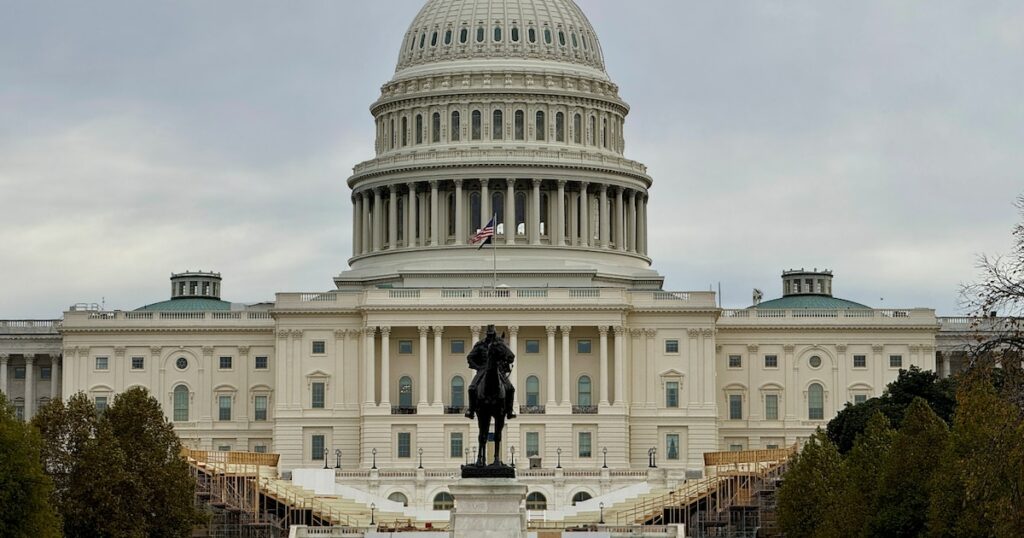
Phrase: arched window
[519,127]
[559,127]
[536,501]
[575,43]
[405,392]
[181,403]
[433,39]
[547,36]
[412,42]
[458,398]
[520,213]
[577,128]
[405,131]
[580,497]
[498,207]
[455,129]
[561,38]
[423,39]
[583,390]
[583,37]
[419,128]
[435,128]
[476,129]
[497,34]
[593,131]
[604,132]
[464,35]
[532,391]
[815,402]
[448,37]
[474,211]
[541,125]
[480,34]
[393,141]
[451,213]
[515,34]
[444,501]
[497,126]
[399,497]
[531,34]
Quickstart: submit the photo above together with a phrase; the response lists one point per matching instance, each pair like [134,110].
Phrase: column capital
[752,348]
[119,351]
[603,187]
[603,330]
[155,350]
[537,181]
[561,183]
[619,330]
[877,348]
[788,348]
[457,182]
[340,334]
[3,357]
[378,190]
[243,351]
[483,181]
[513,330]
[637,332]
[841,348]
[207,351]
[297,333]
[369,331]
[438,330]
[707,332]
[423,329]
[584,185]
[433,183]
[385,332]
[550,329]
[693,333]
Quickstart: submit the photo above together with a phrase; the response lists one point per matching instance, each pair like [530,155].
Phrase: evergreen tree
[25,507]
[809,488]
[907,472]
[861,474]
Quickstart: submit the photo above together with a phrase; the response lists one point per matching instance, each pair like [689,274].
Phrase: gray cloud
[136,139]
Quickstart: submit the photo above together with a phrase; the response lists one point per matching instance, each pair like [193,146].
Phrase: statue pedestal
[488,508]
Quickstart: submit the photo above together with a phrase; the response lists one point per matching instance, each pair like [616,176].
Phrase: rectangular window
[261,363]
[319,347]
[860,361]
[583,346]
[224,448]
[101,404]
[735,407]
[771,361]
[771,406]
[101,363]
[671,346]
[404,445]
[532,444]
[45,372]
[19,412]
[772,446]
[735,361]
[316,446]
[455,445]
[318,396]
[225,363]
[860,398]
[458,347]
[138,363]
[735,447]
[672,446]
[19,372]
[224,405]
[584,448]
[405,347]
[533,346]
[260,408]
[672,394]
[260,449]
[895,361]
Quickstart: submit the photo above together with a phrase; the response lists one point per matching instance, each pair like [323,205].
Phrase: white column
[573,231]
[422,401]
[584,214]
[620,368]
[370,365]
[3,374]
[460,226]
[643,225]
[378,222]
[550,383]
[510,211]
[357,225]
[367,225]
[485,203]
[54,377]
[475,331]
[631,222]
[30,386]
[535,210]
[385,367]
[438,362]
[604,216]
[559,224]
[603,331]
[513,335]
[620,221]
[566,373]
[433,214]
[393,218]
[408,224]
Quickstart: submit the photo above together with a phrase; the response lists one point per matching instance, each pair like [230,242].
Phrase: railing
[148,315]
[402,410]
[922,315]
[240,458]
[419,296]
[32,325]
[531,410]
[485,155]
[584,409]
[749,456]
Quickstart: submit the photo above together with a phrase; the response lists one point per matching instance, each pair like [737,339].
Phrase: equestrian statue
[491,395]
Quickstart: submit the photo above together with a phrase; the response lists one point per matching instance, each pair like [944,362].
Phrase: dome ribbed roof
[187,304]
[823,302]
[545,30]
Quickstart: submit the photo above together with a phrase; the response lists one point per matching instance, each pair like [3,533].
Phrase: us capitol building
[497,108]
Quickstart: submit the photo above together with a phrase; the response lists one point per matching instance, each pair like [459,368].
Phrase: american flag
[484,235]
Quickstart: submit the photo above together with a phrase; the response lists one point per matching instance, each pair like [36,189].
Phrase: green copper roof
[823,302]
[189,304]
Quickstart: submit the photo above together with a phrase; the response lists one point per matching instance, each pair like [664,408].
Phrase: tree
[118,473]
[940,395]
[860,479]
[905,484]
[809,488]
[25,508]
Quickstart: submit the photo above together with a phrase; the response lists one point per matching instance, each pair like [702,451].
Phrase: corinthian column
[438,362]
[620,221]
[370,365]
[378,221]
[433,214]
[408,225]
[550,384]
[605,221]
[422,402]
[603,331]
[513,334]
[566,374]
[3,374]
[631,222]
[385,367]
[584,214]
[510,211]
[357,225]
[30,386]
[367,226]
[485,203]
[460,226]
[535,217]
[54,377]
[393,218]
[559,227]
[620,369]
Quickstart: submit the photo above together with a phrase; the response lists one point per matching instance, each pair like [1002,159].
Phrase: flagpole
[494,249]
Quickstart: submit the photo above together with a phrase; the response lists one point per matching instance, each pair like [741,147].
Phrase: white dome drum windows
[531,35]
[480,34]
[476,127]
[464,35]
[497,33]
[559,127]
[497,125]
[455,127]
[419,128]
[435,127]
[433,39]
[577,129]
[541,126]
[514,34]
[520,120]
[448,37]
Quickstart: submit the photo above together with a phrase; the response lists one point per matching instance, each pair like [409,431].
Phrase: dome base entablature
[803,289]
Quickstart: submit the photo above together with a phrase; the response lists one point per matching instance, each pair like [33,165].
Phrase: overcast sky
[883,140]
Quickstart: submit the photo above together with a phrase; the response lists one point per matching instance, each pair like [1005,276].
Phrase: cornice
[193,329]
[447,165]
[732,327]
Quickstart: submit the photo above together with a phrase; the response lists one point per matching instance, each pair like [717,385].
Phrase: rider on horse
[477,360]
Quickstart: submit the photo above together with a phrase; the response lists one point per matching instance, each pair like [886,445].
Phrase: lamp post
[604,452]
[420,451]
[374,452]
[326,452]
[467,456]
[651,457]
[601,506]
[337,458]
[559,452]
[373,508]
[512,450]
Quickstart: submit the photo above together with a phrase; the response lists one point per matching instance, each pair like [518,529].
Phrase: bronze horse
[492,393]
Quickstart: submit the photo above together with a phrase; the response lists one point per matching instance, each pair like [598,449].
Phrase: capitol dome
[500,109]
[524,32]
